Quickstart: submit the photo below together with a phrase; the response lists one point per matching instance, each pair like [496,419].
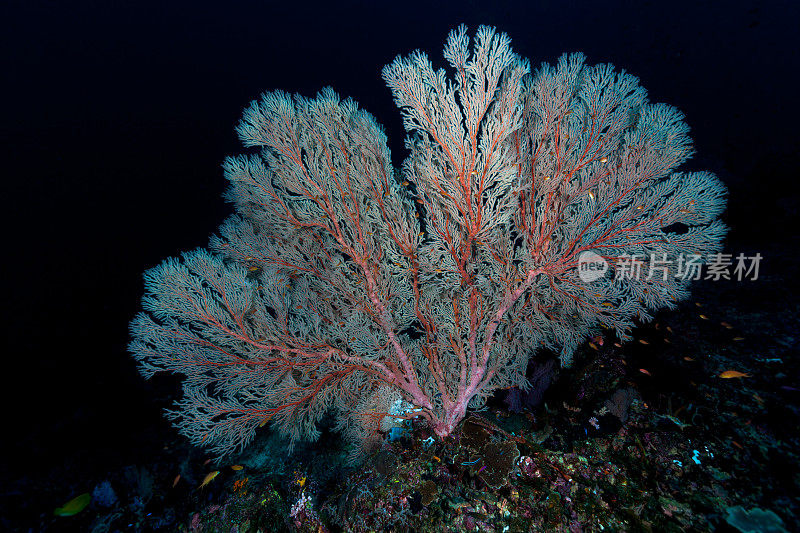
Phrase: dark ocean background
[117,115]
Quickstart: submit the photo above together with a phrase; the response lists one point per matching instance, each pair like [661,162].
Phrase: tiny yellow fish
[704,317]
[208,479]
[728,374]
[236,467]
[737,339]
[74,506]
[301,482]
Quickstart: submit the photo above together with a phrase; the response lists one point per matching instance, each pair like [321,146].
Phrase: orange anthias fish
[728,374]
[208,479]
[236,467]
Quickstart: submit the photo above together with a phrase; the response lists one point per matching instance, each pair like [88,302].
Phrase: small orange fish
[698,304]
[206,462]
[593,346]
[704,317]
[618,345]
[642,341]
[236,467]
[737,445]
[667,340]
[687,358]
[669,329]
[728,374]
[175,481]
[208,479]
[645,372]
[725,325]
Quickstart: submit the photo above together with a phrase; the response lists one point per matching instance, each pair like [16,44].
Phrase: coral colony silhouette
[346,288]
